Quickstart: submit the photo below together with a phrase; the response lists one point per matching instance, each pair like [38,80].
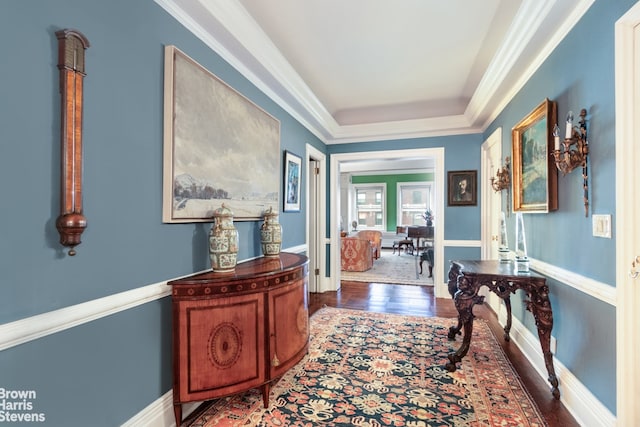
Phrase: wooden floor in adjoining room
[420,301]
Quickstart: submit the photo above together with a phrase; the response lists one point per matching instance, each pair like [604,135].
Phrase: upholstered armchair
[356,254]
[375,237]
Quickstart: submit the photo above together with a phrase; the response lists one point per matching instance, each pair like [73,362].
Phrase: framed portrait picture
[219,147]
[292,181]
[462,188]
[535,176]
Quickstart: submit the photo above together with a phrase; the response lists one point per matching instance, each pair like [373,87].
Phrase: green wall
[391,182]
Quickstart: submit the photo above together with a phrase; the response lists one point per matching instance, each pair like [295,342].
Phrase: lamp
[573,151]
[502,180]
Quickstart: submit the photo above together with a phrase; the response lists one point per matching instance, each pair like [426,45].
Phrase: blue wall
[105,371]
[578,74]
[462,152]
[117,365]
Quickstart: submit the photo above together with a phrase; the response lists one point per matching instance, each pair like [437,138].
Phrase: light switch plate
[602,226]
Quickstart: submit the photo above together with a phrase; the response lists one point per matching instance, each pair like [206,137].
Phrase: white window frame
[399,187]
[354,204]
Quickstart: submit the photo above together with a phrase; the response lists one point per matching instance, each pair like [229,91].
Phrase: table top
[494,268]
[262,266]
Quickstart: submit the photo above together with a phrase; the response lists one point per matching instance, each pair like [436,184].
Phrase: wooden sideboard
[240,330]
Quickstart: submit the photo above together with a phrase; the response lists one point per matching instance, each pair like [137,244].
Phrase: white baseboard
[581,403]
[160,413]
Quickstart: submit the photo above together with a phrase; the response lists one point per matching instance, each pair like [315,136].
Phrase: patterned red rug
[375,369]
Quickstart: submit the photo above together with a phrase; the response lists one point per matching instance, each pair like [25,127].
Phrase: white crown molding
[235,36]
[530,17]
[404,129]
[287,90]
[573,16]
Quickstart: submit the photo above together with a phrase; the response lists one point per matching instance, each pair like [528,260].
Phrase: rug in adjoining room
[377,369]
[392,268]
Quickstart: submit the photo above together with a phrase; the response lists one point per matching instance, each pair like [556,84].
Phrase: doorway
[316,218]
[437,156]
[491,208]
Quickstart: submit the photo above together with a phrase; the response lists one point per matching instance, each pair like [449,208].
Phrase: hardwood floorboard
[420,301]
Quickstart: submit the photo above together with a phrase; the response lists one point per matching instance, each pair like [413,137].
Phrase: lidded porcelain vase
[271,234]
[223,241]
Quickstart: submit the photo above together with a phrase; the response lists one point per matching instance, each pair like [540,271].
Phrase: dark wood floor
[419,300]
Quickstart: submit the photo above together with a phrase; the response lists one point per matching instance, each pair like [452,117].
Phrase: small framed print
[292,180]
[463,188]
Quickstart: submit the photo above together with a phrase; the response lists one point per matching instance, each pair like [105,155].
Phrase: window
[370,205]
[413,200]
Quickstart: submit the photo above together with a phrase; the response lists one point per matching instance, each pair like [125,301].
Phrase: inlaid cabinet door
[221,346]
[289,325]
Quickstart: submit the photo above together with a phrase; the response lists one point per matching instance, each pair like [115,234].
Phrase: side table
[502,278]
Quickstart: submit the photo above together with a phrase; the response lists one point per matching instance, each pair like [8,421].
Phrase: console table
[502,278]
[239,330]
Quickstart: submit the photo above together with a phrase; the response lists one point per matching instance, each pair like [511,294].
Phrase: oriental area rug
[392,268]
[375,369]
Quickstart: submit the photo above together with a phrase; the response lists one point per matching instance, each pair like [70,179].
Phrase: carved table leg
[540,307]
[464,348]
[507,328]
[452,286]
[465,299]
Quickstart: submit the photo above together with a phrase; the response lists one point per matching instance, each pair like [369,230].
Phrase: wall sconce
[502,180]
[574,151]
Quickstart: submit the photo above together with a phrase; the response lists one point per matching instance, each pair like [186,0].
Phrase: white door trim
[437,154]
[485,178]
[627,228]
[321,224]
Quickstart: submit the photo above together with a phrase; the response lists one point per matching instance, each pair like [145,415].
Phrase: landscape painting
[219,147]
[535,177]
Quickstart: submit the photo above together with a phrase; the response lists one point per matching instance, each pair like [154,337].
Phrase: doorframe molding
[627,67]
[312,153]
[437,154]
[485,175]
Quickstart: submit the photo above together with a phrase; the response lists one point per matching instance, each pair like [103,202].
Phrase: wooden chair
[405,241]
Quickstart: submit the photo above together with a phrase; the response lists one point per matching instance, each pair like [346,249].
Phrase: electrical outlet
[552,345]
[601,225]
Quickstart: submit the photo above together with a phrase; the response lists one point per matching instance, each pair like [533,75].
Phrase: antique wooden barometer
[71,222]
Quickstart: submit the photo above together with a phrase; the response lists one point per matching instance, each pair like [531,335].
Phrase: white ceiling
[366,70]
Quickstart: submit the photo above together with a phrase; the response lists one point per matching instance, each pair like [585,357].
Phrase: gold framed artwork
[219,147]
[535,176]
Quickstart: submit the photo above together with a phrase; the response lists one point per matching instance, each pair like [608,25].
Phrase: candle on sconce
[556,137]
[569,125]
